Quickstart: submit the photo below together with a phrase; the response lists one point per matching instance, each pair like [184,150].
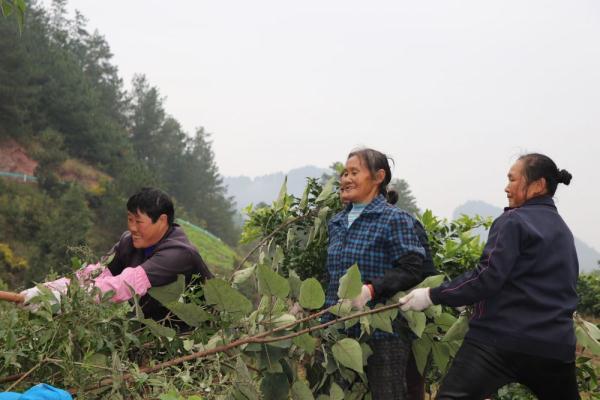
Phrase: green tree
[406,201]
[201,190]
[16,7]
[65,225]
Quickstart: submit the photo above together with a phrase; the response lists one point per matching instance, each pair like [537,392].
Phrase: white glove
[363,298]
[417,300]
[30,293]
[33,292]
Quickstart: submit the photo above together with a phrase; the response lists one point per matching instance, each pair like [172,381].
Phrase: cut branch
[260,338]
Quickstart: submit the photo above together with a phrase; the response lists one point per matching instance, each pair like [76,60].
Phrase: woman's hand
[417,300]
[363,298]
[34,292]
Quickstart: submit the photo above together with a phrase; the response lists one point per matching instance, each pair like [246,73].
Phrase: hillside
[219,257]
[588,256]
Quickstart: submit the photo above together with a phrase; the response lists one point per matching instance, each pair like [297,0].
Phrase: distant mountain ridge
[265,188]
[588,256]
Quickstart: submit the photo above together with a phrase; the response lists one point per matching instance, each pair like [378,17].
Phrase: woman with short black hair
[522,292]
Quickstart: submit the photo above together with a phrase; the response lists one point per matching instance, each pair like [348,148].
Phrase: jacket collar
[536,201]
[376,206]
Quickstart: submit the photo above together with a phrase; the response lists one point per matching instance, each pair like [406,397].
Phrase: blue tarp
[38,392]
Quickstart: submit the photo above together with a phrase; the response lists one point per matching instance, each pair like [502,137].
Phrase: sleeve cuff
[435,294]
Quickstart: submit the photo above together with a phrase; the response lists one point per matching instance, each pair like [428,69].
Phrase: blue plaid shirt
[375,241]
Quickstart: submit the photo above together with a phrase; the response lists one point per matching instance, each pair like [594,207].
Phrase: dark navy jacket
[523,289]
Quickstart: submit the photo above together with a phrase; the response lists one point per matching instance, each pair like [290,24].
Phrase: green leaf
[317,226]
[242,370]
[191,314]
[169,293]
[312,295]
[270,283]
[21,5]
[282,195]
[289,240]
[586,334]
[295,283]
[275,386]
[226,298]
[306,343]
[431,281]
[416,321]
[350,284]
[341,309]
[321,220]
[433,311]
[277,258]
[301,391]
[348,353]
[242,275]
[383,320]
[591,329]
[311,236]
[421,348]
[171,395]
[336,392]
[7,8]
[458,330]
[327,190]
[304,200]
[158,329]
[366,351]
[188,344]
[96,362]
[445,320]
[441,355]
[283,319]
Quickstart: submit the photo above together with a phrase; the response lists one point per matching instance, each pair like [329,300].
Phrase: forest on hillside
[63,101]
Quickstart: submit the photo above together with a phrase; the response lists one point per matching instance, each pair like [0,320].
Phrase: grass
[219,257]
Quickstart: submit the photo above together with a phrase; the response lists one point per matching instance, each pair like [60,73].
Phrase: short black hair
[152,202]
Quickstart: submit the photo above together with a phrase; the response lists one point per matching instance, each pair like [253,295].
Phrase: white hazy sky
[454,91]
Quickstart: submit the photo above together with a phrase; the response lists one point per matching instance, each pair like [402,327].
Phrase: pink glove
[363,298]
[90,271]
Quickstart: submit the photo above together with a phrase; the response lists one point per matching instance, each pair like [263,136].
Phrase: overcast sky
[454,91]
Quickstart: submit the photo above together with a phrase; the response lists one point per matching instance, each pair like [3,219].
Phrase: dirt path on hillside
[14,158]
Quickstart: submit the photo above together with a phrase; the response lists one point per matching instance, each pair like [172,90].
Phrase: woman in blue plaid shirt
[381,239]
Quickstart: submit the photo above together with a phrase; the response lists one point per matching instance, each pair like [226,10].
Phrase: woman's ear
[379,176]
[537,188]
[164,219]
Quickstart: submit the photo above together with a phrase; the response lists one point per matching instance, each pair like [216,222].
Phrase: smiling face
[518,190]
[144,232]
[357,185]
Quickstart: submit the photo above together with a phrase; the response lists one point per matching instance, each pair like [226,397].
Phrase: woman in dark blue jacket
[523,294]
[382,240]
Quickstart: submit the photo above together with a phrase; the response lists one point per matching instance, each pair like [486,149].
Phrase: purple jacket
[523,289]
